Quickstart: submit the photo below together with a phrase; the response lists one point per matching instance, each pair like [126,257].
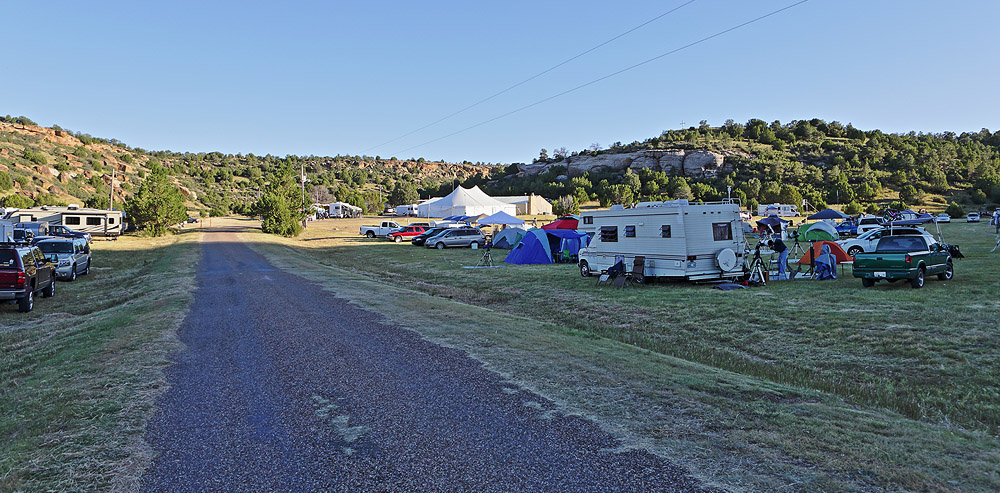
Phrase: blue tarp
[542,246]
[828,214]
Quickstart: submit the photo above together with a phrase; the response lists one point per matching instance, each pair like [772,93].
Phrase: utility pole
[302,177]
[111,194]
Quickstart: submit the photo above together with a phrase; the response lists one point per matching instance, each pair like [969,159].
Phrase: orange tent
[835,249]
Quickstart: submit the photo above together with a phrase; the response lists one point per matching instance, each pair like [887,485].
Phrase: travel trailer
[780,210]
[678,239]
[343,209]
[97,222]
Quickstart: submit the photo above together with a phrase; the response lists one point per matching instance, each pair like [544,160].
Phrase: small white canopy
[501,218]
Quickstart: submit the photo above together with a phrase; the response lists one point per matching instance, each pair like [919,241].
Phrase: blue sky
[326,78]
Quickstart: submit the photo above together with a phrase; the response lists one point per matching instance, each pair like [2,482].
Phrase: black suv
[24,271]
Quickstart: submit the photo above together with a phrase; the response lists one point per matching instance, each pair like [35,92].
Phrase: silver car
[71,256]
[457,237]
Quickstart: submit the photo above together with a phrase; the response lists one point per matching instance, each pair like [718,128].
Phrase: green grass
[823,384]
[79,374]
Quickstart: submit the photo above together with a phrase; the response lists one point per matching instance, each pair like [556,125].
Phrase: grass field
[79,374]
[801,384]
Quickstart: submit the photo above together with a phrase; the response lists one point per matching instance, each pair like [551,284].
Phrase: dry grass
[804,385]
[80,373]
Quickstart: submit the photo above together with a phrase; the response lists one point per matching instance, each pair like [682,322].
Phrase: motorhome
[406,210]
[780,210]
[343,209]
[97,222]
[678,239]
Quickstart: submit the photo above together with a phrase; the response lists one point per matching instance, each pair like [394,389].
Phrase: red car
[405,233]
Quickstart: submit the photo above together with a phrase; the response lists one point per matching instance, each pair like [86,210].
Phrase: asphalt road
[284,387]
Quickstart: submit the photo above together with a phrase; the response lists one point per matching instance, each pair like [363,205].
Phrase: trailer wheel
[585,269]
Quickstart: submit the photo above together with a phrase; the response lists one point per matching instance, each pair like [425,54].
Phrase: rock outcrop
[694,163]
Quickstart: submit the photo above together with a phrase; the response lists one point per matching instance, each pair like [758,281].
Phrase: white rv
[780,210]
[406,210]
[343,209]
[677,238]
[97,222]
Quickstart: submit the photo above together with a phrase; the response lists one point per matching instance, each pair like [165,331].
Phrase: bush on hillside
[978,196]
[955,210]
[565,206]
[16,201]
[853,209]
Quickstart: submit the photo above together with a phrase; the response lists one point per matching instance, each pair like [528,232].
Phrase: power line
[533,77]
[626,69]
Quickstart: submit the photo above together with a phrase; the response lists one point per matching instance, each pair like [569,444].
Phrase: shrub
[853,208]
[5,182]
[35,157]
[16,201]
[566,205]
[955,210]
[978,196]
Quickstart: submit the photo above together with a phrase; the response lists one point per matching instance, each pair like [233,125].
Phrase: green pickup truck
[904,257]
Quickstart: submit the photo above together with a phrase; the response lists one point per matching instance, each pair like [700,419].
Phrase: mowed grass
[79,374]
[805,384]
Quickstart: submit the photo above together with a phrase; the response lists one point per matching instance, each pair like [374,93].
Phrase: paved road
[284,387]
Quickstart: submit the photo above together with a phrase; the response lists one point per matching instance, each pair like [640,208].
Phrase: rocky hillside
[697,163]
[40,165]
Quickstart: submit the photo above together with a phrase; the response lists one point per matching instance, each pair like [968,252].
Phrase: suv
[457,237]
[24,272]
[71,256]
[405,233]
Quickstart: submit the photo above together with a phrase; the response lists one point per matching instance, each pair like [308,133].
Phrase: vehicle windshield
[56,247]
[901,244]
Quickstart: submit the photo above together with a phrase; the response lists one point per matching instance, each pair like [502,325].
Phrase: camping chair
[614,275]
[638,272]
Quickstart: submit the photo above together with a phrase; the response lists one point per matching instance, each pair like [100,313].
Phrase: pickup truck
[25,271]
[381,230]
[904,257]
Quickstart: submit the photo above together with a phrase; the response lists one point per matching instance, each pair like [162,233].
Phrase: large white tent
[464,202]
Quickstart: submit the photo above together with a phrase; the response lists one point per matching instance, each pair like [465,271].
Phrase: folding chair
[638,272]
[614,275]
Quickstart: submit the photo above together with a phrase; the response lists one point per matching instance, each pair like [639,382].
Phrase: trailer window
[93,221]
[722,231]
[609,233]
[111,220]
[630,231]
[665,231]
[588,219]
[71,220]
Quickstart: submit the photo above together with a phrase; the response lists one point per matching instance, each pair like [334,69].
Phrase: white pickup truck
[380,231]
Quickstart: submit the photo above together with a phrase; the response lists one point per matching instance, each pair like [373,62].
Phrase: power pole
[111,194]
[302,177]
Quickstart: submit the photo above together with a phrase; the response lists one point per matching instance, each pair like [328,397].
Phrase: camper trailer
[678,239]
[97,222]
[780,210]
[406,210]
[343,209]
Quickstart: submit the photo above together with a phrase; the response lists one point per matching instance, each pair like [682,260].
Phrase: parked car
[60,230]
[973,217]
[942,218]
[847,228]
[405,233]
[24,271]
[868,223]
[382,229]
[429,233]
[868,241]
[904,257]
[457,237]
[71,256]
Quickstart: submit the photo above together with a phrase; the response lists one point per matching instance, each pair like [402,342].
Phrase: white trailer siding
[677,239]
[97,222]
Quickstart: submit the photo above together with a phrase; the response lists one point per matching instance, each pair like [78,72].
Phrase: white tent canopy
[464,202]
[501,218]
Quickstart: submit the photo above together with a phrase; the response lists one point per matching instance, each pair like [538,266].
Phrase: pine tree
[157,204]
